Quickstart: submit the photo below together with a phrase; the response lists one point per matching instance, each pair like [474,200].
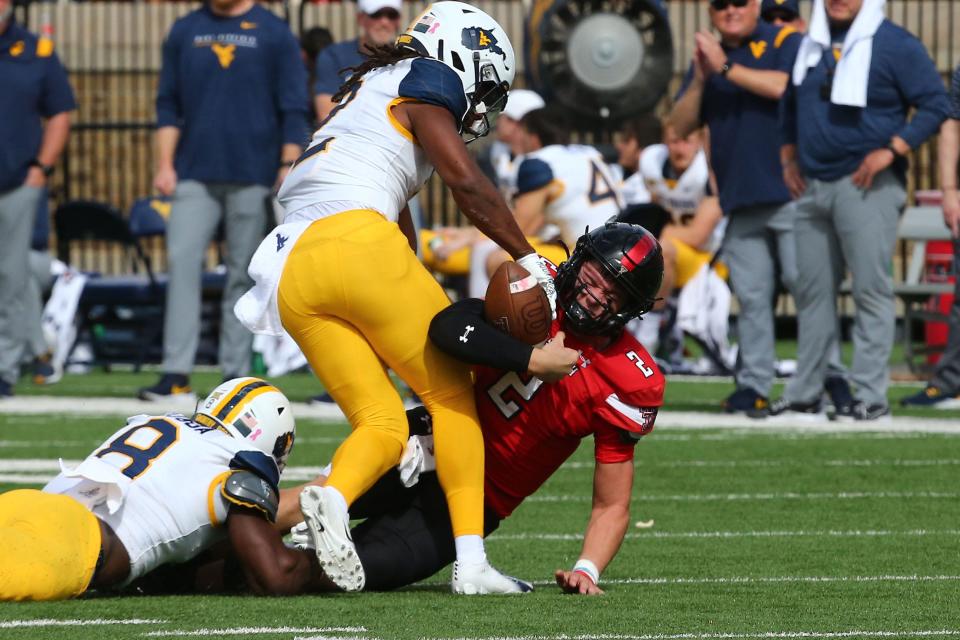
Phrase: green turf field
[757,533]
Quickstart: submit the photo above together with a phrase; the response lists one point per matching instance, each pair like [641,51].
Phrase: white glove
[534,265]
[300,537]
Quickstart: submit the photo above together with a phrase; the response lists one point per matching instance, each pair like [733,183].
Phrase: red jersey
[530,427]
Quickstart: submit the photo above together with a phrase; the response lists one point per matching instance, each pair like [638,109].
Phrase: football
[517,305]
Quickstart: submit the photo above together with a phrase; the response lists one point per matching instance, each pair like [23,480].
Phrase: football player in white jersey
[340,277]
[161,490]
[562,189]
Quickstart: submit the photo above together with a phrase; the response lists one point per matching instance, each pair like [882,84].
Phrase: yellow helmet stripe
[232,400]
[235,411]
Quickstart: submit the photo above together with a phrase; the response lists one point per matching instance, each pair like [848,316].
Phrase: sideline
[73,406]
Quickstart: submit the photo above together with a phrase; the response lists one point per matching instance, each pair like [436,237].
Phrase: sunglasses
[720,5]
[389,14]
[785,16]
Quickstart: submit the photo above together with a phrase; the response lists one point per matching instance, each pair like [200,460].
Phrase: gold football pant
[49,545]
[458,262]
[689,261]
[356,299]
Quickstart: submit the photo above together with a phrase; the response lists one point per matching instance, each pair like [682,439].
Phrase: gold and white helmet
[474,45]
[253,410]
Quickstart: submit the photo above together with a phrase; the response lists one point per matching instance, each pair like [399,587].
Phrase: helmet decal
[480,39]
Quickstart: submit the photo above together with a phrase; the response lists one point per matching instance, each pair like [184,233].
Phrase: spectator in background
[35,106]
[856,77]
[783,13]
[943,391]
[734,86]
[312,42]
[231,117]
[508,134]
[379,22]
[633,137]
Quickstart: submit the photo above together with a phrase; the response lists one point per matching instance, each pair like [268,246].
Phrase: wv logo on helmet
[480,39]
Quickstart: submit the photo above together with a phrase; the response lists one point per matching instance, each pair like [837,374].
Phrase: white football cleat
[482,578]
[329,526]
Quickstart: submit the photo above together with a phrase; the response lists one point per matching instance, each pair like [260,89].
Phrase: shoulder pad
[433,82]
[249,490]
[259,463]
[533,174]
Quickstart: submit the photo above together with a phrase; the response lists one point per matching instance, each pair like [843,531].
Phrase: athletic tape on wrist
[587,568]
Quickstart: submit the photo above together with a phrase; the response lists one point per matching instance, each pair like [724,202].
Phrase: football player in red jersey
[612,392]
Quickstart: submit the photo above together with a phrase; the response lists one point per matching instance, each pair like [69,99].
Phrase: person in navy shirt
[379,22]
[857,76]
[734,86]
[943,391]
[231,117]
[35,106]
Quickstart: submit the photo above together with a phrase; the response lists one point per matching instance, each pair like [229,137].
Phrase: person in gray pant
[734,86]
[943,391]
[232,117]
[856,77]
[35,107]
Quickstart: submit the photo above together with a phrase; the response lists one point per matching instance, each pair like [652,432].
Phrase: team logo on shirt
[16,48]
[758,48]
[480,39]
[247,25]
[224,53]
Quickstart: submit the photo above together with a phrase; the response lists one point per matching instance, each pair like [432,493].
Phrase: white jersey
[633,189]
[679,195]
[590,195]
[361,157]
[157,483]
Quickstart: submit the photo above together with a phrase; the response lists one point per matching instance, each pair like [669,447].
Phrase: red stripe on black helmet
[639,252]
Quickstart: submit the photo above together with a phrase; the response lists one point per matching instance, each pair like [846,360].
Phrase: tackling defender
[530,428]
[337,272]
[161,490]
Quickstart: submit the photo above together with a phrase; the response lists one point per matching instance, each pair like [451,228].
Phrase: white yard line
[49,622]
[724,497]
[725,535]
[666,419]
[252,631]
[732,635]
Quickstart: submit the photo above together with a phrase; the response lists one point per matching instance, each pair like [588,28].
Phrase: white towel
[853,68]
[257,308]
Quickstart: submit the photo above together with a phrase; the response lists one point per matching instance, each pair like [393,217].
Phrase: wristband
[725,69]
[587,568]
[896,154]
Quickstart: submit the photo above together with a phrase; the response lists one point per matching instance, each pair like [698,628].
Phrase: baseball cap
[370,7]
[521,102]
[788,6]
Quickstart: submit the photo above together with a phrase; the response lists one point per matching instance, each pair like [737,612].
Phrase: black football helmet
[631,257]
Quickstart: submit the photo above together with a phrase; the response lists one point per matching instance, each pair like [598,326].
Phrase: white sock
[332,492]
[470,550]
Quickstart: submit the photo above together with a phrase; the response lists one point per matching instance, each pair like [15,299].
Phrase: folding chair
[123,314]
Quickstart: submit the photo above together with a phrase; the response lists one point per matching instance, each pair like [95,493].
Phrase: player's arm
[434,128]
[270,567]
[609,518]
[528,208]
[405,222]
[462,332]
[697,232]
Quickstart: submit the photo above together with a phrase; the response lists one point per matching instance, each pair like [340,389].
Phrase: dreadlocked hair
[378,56]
